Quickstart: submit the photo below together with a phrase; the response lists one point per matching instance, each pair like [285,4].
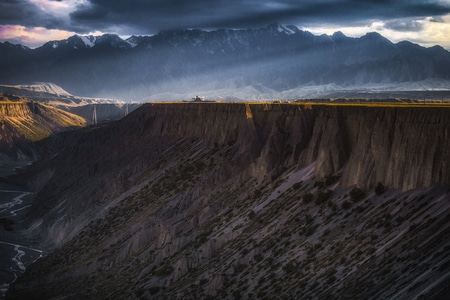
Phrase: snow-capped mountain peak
[288,29]
[285,29]
[88,40]
[43,87]
[112,40]
[73,42]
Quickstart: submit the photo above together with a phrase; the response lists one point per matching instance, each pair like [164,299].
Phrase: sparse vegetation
[357,194]
[165,270]
[153,290]
[330,179]
[307,198]
[297,185]
[379,188]
[323,196]
[326,181]
[290,267]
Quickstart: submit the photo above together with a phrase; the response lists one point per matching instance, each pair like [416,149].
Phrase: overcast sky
[34,22]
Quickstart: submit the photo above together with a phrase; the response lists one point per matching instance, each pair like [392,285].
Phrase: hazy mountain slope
[51,93]
[24,122]
[212,200]
[54,95]
[177,64]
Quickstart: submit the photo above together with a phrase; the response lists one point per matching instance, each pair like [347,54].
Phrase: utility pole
[94,116]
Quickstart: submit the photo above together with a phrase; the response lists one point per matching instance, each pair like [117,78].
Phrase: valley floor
[17,249]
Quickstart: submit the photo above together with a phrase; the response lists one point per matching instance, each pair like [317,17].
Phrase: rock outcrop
[245,200]
[405,148]
[23,122]
[363,144]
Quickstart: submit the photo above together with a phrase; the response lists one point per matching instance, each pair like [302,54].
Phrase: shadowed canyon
[243,201]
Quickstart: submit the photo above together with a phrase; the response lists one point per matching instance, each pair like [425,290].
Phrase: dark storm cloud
[163,14]
[93,12]
[147,16]
[25,13]
[18,12]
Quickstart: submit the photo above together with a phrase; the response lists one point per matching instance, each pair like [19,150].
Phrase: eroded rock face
[24,122]
[405,148]
[211,200]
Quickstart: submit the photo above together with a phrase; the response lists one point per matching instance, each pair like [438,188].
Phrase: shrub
[308,219]
[257,194]
[289,267]
[153,290]
[323,196]
[379,188]
[308,197]
[258,257]
[326,181]
[239,268]
[332,205]
[165,270]
[330,179]
[310,230]
[357,194]
[346,205]
[330,275]
[199,165]
[297,185]
[319,184]
[203,237]
[237,295]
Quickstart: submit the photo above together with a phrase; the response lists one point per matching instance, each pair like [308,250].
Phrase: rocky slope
[201,200]
[24,122]
[30,113]
[54,95]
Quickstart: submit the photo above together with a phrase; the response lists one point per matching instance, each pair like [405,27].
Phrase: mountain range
[272,62]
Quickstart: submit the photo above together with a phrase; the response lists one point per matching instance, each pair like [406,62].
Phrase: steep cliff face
[405,148]
[24,122]
[364,144]
[250,200]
